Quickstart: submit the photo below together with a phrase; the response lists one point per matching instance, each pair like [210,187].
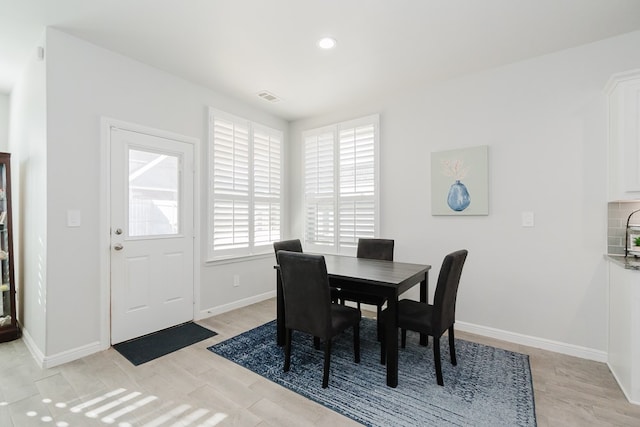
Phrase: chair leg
[403,340]
[383,347]
[316,343]
[356,342]
[379,323]
[287,350]
[452,347]
[436,359]
[327,363]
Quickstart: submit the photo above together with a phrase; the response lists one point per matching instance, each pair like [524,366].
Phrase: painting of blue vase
[460,181]
[458,198]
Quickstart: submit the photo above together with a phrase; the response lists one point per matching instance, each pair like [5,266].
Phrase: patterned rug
[488,387]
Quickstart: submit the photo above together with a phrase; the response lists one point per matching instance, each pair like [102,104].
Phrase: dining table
[388,279]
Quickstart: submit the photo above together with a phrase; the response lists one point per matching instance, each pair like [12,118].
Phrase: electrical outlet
[236,280]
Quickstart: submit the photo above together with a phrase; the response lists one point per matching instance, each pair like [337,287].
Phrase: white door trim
[104,221]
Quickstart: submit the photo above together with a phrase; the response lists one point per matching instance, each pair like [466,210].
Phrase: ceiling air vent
[268,96]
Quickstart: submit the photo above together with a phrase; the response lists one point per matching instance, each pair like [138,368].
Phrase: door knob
[118,247]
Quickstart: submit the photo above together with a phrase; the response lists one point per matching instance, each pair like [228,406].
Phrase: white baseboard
[542,343]
[545,344]
[213,311]
[33,348]
[88,349]
[622,387]
[58,359]
[71,355]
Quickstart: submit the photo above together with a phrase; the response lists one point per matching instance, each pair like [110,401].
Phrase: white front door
[151,233]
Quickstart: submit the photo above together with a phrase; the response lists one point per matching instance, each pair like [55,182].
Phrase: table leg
[424,297]
[280,332]
[391,341]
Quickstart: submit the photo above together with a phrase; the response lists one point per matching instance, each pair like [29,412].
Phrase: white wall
[4,122]
[28,147]
[85,83]
[544,121]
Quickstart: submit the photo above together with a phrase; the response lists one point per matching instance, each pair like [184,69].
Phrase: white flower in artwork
[454,169]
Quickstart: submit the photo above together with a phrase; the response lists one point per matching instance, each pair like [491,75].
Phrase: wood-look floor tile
[234,389]
[277,415]
[194,386]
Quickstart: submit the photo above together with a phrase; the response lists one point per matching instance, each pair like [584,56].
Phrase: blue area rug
[488,387]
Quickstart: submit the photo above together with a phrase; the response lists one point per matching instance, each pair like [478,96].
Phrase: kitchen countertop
[629,263]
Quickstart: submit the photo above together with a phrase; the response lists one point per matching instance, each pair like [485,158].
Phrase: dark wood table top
[383,273]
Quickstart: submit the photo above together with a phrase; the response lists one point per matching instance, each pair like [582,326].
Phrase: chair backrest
[305,287]
[376,249]
[287,245]
[444,301]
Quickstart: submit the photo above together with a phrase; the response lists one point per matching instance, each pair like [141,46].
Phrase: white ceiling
[242,47]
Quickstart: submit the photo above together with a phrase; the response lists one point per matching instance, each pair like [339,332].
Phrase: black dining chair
[308,306]
[381,249]
[294,245]
[433,319]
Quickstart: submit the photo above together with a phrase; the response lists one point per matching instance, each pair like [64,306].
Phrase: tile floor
[193,387]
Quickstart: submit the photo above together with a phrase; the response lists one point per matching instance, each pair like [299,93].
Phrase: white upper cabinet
[623,91]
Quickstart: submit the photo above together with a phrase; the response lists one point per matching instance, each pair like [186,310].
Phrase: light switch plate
[528,219]
[74,218]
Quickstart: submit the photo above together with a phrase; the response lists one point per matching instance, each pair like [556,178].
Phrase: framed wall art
[460,181]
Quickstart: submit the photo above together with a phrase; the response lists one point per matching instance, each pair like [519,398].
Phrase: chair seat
[415,316]
[343,317]
[361,298]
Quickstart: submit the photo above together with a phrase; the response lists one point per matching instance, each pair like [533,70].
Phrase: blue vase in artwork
[458,198]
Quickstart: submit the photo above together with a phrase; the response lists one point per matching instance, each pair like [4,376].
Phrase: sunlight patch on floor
[111,407]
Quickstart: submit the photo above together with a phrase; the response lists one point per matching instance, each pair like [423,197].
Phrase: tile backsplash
[617,215]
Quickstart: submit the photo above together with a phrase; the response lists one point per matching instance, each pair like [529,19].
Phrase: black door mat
[143,349]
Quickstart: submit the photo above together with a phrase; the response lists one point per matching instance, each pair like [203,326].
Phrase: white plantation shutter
[319,188]
[267,223]
[357,184]
[230,157]
[231,224]
[267,183]
[245,182]
[320,223]
[230,184]
[357,219]
[341,182]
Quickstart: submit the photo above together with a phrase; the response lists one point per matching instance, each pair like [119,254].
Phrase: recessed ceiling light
[327,43]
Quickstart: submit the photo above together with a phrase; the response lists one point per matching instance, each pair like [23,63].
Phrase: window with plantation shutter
[267,183]
[319,188]
[341,184]
[245,186]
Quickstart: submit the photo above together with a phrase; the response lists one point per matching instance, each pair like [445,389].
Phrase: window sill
[233,259]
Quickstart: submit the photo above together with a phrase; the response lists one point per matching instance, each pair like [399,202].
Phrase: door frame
[104,221]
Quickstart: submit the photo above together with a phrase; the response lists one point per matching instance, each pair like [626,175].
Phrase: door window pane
[153,193]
